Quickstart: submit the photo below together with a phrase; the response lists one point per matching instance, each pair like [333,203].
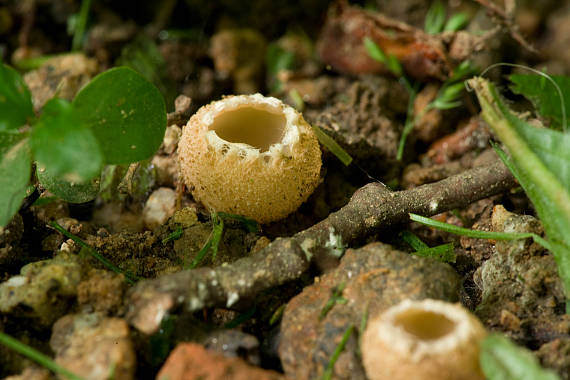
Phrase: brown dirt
[258,302]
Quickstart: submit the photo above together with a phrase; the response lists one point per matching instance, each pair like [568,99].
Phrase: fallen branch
[370,209]
[505,17]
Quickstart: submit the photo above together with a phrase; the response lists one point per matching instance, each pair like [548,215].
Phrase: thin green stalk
[93,252]
[338,350]
[412,240]
[174,235]
[35,355]
[332,146]
[213,241]
[410,120]
[480,234]
[336,297]
[81,25]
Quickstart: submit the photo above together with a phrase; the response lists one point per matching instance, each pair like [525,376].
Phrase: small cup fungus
[250,155]
[427,339]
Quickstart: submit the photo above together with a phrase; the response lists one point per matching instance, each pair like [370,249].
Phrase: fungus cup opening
[258,127]
[425,325]
[424,340]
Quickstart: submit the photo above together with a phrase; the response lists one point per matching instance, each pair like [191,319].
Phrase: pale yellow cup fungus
[419,340]
[250,155]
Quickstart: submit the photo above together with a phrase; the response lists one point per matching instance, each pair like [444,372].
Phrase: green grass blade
[435,17]
[412,240]
[130,278]
[338,350]
[249,224]
[212,243]
[479,234]
[332,146]
[456,22]
[36,356]
[374,51]
[79,32]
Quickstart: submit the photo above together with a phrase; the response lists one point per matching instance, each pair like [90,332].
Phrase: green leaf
[15,170]
[374,51]
[462,71]
[63,145]
[15,99]
[444,253]
[126,113]
[544,95]
[277,59]
[540,159]
[68,191]
[435,17]
[395,66]
[503,360]
[456,22]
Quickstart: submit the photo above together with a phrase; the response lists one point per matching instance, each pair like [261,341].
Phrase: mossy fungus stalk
[250,155]
[427,339]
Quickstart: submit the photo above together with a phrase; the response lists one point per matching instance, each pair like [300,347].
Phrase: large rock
[372,279]
[94,347]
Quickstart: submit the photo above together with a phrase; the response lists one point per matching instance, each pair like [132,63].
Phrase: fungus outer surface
[250,155]
[427,339]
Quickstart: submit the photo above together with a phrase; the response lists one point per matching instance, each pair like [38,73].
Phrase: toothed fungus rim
[423,339]
[250,155]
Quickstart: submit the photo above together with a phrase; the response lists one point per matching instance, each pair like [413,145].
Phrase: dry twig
[371,208]
[505,17]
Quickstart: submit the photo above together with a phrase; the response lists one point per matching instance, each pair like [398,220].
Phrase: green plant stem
[336,297]
[332,146]
[174,235]
[338,350]
[36,356]
[212,243]
[412,240]
[81,25]
[410,120]
[543,178]
[93,252]
[480,234]
[277,314]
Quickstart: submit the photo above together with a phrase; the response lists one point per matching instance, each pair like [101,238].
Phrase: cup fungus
[250,155]
[427,339]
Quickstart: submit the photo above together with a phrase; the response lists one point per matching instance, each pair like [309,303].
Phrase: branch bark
[370,209]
